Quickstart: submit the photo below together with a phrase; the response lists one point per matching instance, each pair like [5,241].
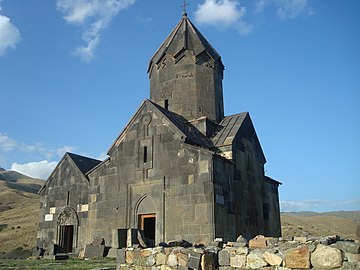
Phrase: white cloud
[41,169]
[289,9]
[6,143]
[219,12]
[94,16]
[62,150]
[12,147]
[9,35]
[102,156]
[285,9]
[223,14]
[260,6]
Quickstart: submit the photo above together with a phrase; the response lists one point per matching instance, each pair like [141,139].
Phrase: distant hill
[19,210]
[352,215]
[342,223]
[17,181]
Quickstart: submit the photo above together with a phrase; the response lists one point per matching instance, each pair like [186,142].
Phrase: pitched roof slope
[84,164]
[190,133]
[193,135]
[231,125]
[185,36]
[238,124]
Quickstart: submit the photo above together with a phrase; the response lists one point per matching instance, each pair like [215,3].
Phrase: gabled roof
[185,36]
[84,164]
[232,126]
[193,135]
[190,134]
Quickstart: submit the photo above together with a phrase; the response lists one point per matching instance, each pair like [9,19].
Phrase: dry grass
[319,225]
[19,223]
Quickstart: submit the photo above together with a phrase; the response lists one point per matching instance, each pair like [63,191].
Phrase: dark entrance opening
[66,238]
[147,224]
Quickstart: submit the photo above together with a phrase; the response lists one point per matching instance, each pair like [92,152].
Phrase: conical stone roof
[185,36]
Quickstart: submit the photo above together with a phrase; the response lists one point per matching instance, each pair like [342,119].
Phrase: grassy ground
[58,265]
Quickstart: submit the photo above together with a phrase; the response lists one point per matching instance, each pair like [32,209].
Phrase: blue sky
[73,72]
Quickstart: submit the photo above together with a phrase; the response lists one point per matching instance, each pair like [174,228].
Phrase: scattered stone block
[242,241]
[301,239]
[146,252]
[226,268]
[165,267]
[150,261]
[172,260]
[348,246]
[120,256]
[272,258]
[92,251]
[258,242]
[271,241]
[208,261]
[235,244]
[298,258]
[112,253]
[130,256]
[224,257]
[161,258]
[238,261]
[352,258]
[328,240]
[242,250]
[194,260]
[179,243]
[325,257]
[182,259]
[255,261]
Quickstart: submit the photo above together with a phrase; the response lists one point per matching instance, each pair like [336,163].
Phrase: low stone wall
[259,253]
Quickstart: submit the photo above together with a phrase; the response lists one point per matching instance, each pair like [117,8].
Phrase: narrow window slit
[145,154]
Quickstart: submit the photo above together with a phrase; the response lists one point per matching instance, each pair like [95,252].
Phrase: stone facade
[180,169]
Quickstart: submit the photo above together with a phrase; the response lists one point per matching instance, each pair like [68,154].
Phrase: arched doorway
[146,217]
[67,227]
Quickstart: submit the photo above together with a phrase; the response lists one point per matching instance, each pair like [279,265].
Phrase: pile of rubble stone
[259,253]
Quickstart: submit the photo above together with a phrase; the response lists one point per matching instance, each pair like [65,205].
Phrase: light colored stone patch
[272,259]
[255,261]
[49,217]
[238,261]
[326,257]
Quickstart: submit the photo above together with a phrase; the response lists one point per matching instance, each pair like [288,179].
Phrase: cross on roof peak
[184,8]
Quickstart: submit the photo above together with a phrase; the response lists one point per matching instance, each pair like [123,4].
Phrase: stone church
[180,169]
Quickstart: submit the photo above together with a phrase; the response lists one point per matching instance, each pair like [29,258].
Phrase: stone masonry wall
[259,253]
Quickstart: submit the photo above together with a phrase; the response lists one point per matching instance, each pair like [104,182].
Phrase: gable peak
[185,36]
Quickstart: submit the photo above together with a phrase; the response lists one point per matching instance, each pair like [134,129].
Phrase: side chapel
[180,169]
